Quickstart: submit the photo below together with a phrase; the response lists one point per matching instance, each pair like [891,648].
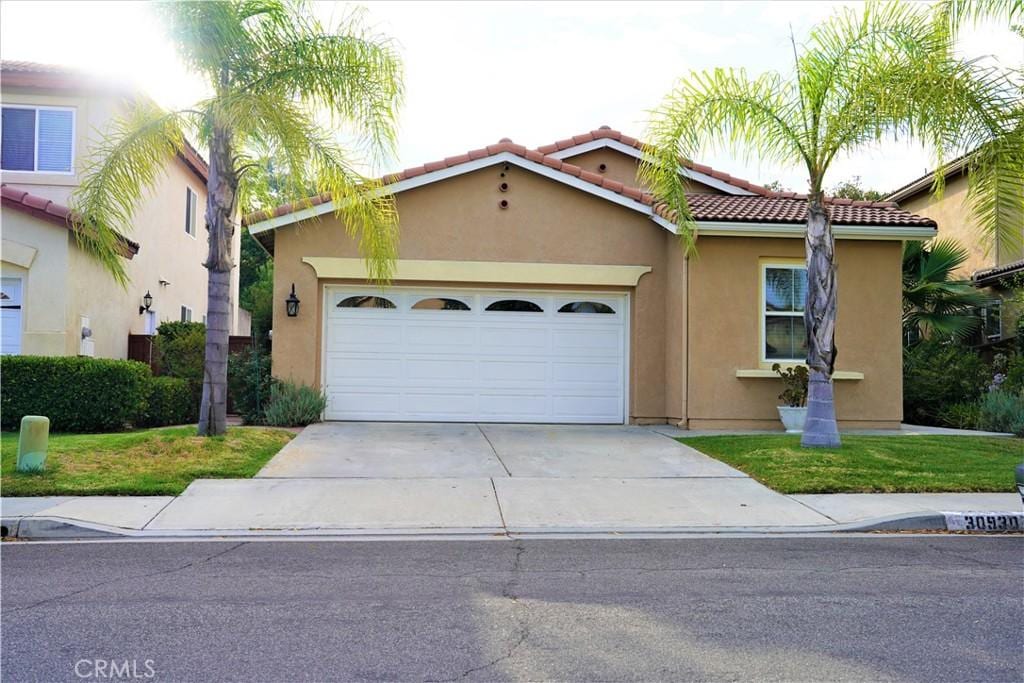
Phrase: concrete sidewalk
[480,507]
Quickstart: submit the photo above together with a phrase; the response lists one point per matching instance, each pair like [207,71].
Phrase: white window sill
[762,373]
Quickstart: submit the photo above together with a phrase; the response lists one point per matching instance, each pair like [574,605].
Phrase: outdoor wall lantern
[291,304]
[147,301]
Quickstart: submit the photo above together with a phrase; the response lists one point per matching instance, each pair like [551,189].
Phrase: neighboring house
[543,286]
[996,265]
[51,289]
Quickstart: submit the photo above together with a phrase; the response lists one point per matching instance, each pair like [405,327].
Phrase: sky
[476,72]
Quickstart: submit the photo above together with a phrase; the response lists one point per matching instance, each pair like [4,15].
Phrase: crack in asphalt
[522,629]
[193,563]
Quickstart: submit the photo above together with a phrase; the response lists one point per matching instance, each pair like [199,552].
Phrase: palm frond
[127,161]
[343,69]
[723,109]
[309,157]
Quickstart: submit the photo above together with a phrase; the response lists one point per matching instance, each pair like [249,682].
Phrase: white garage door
[468,356]
[10,315]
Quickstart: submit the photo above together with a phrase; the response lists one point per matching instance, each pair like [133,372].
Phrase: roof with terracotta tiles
[792,208]
[766,206]
[47,210]
[997,273]
[609,133]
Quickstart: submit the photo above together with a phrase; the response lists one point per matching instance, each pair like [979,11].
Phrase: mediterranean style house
[996,265]
[545,285]
[56,299]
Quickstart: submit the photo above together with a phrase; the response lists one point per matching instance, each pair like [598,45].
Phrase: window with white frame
[191,202]
[783,290]
[186,314]
[37,139]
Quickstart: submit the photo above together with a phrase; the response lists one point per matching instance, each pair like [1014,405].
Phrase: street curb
[56,529]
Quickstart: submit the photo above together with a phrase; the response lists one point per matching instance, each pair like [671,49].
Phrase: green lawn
[871,464]
[144,462]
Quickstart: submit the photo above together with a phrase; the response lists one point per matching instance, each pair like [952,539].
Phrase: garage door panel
[477,365]
[350,334]
[587,373]
[455,336]
[585,408]
[444,370]
[362,405]
[346,369]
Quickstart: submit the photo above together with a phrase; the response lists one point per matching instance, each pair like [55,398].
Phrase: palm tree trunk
[820,430]
[221,205]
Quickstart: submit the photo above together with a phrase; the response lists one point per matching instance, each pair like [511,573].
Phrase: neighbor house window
[992,321]
[784,289]
[186,314]
[37,139]
[191,202]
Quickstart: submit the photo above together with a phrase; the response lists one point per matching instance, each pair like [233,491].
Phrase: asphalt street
[893,607]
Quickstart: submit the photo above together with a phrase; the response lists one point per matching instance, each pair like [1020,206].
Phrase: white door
[10,315]
[475,356]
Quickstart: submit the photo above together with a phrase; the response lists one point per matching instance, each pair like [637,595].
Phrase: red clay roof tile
[766,206]
[45,209]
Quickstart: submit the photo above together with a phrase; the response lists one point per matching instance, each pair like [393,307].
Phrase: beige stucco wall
[623,168]
[42,255]
[72,281]
[694,322]
[460,219]
[955,220]
[724,332]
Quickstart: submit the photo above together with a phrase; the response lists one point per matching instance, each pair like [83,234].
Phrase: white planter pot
[793,418]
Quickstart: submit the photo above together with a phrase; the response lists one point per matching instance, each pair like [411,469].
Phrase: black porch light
[291,304]
[147,301]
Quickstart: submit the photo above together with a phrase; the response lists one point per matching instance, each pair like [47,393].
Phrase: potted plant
[793,412]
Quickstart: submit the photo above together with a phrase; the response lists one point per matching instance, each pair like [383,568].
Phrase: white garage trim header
[498,272]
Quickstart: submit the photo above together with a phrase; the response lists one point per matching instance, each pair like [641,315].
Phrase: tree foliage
[935,302]
[277,75]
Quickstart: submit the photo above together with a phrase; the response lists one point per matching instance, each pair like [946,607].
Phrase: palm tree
[934,302]
[274,70]
[886,70]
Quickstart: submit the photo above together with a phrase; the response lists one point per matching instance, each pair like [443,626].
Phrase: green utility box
[32,442]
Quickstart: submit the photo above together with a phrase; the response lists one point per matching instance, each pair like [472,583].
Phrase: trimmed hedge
[168,402]
[77,394]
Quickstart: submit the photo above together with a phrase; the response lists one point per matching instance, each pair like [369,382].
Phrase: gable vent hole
[602,168]
[503,203]
[503,187]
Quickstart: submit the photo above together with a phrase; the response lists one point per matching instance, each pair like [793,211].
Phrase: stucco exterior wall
[71,282]
[724,333]
[39,253]
[694,322]
[623,168]
[460,219]
[955,220]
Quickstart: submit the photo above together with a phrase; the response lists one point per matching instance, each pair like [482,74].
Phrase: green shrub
[1002,411]
[1014,381]
[77,394]
[961,415]
[168,402]
[938,374]
[294,405]
[179,350]
[249,383]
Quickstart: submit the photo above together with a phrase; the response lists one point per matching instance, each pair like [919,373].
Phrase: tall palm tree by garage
[885,70]
[273,71]
[935,302]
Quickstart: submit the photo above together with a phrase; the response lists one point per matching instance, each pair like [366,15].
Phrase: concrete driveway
[379,450]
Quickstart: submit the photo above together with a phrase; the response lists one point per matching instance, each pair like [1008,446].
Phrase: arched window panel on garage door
[587,307]
[371,302]
[440,303]
[514,306]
